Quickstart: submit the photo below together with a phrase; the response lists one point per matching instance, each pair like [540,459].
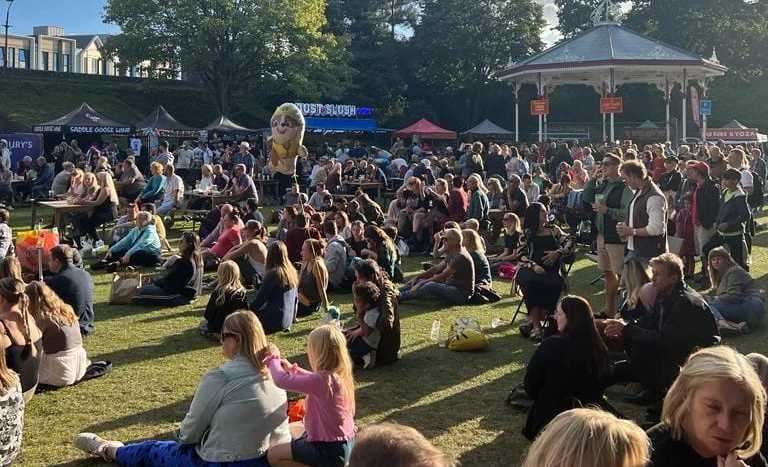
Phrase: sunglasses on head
[226,335]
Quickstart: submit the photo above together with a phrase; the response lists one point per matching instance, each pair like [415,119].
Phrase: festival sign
[611,105]
[23,145]
[540,107]
[733,134]
[333,110]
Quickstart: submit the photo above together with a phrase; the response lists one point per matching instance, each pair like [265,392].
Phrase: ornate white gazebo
[607,56]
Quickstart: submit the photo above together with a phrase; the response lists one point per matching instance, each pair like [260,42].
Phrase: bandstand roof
[588,57]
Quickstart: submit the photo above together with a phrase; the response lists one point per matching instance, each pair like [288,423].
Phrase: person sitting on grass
[229,238]
[11,411]
[473,243]
[567,370]
[173,191]
[363,340]
[587,438]
[298,234]
[275,302]
[336,257]
[313,278]
[72,284]
[452,281]
[141,247]
[398,446]
[736,300]
[236,415]
[177,285]
[512,234]
[11,267]
[389,346]
[356,239]
[227,297]
[64,360]
[329,423]
[159,225]
[251,255]
[20,337]
[381,248]
[125,223]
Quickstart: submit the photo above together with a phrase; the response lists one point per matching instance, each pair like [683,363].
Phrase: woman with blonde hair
[228,297]
[11,267]
[19,334]
[589,438]
[237,412]
[90,186]
[104,203]
[496,195]
[76,184]
[474,245]
[64,360]
[11,412]
[329,423]
[155,187]
[479,207]
[313,278]
[713,414]
[275,302]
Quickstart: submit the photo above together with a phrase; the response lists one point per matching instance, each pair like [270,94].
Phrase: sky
[85,16]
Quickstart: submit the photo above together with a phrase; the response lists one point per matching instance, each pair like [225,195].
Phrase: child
[330,388]
[227,298]
[512,233]
[684,230]
[363,340]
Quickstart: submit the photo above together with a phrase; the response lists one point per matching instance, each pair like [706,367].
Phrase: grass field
[455,399]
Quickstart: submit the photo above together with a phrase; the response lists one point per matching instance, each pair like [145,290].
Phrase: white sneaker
[95,445]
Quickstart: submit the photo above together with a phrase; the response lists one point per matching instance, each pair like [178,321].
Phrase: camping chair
[565,269]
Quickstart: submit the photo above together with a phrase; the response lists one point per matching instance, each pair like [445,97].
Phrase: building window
[95,66]
[2,56]
[46,60]
[65,63]
[56,62]
[23,58]
[11,57]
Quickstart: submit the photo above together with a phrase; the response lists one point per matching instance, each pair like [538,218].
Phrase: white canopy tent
[607,56]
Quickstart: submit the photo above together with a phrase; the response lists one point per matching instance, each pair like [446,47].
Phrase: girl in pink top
[330,405]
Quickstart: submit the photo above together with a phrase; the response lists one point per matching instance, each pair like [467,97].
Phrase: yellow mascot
[285,144]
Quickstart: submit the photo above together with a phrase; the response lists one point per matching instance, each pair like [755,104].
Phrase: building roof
[609,44]
[83,40]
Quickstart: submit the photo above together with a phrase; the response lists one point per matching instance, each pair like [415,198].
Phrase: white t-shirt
[185,158]
[371,318]
[171,185]
[5,158]
[747,180]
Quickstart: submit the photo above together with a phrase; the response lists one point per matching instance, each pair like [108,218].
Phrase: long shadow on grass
[169,413]
[187,341]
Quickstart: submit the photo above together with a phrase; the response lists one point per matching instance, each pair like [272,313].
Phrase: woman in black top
[104,205]
[175,286]
[227,298]
[540,277]
[19,335]
[568,370]
[276,301]
[713,414]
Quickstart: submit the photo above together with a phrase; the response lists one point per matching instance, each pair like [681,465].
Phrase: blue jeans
[750,310]
[172,454]
[443,292]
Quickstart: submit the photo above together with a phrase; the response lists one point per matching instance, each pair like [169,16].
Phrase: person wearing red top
[657,164]
[229,238]
[295,237]
[458,201]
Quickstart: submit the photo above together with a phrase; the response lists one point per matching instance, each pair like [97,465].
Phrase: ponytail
[24,305]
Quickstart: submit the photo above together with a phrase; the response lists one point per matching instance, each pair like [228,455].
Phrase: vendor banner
[732,134]
[23,145]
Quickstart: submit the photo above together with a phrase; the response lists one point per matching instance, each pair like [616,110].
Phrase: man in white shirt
[319,173]
[5,154]
[174,191]
[186,156]
[531,189]
[646,228]
[316,200]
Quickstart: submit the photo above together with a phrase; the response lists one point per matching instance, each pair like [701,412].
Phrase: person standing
[610,197]
[705,203]
[731,221]
[646,230]
[164,157]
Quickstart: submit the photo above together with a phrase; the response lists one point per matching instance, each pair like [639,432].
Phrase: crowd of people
[480,210]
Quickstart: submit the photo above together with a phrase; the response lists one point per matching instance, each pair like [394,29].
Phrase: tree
[575,16]
[459,45]
[230,44]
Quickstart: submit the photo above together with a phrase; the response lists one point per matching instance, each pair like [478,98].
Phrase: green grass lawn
[455,399]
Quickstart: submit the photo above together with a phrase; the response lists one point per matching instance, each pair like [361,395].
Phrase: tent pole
[541,119]
[517,113]
[613,92]
[703,116]
[666,102]
[685,103]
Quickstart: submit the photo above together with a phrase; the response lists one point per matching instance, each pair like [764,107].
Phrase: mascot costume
[285,144]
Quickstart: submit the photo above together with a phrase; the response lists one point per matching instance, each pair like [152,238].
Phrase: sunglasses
[226,335]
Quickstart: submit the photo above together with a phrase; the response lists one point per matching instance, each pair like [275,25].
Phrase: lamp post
[7,16]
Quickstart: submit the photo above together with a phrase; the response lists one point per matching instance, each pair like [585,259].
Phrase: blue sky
[75,16]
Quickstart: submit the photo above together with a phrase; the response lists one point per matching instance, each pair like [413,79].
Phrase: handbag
[125,286]
[466,335]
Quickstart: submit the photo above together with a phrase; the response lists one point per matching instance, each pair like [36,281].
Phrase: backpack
[755,199]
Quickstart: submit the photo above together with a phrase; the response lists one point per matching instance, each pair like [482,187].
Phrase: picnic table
[60,208]
[214,196]
[364,185]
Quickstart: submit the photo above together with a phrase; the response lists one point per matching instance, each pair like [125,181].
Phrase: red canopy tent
[426,130]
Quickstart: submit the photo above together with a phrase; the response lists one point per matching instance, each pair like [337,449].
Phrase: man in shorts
[610,199]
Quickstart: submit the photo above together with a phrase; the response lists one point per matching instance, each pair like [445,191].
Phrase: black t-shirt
[671,181]
[357,246]
[512,241]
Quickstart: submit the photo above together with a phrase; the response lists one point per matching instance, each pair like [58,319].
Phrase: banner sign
[540,107]
[734,134]
[23,145]
[95,130]
[706,107]
[333,110]
[611,105]
[695,105]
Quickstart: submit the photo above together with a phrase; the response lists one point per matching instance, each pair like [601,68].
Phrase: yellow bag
[125,286]
[466,335]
